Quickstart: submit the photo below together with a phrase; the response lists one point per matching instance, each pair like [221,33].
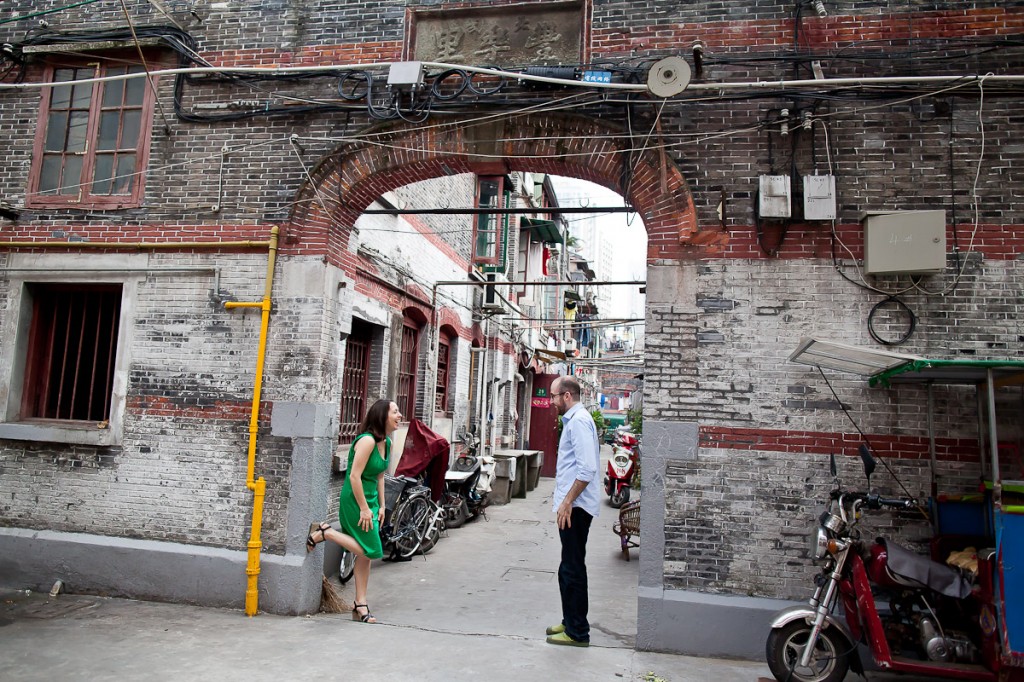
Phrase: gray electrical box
[773,196]
[405,75]
[819,197]
[904,242]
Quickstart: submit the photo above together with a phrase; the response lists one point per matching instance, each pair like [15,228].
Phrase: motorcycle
[467,488]
[621,466]
[941,622]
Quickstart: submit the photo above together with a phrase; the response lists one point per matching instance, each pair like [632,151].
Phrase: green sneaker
[565,640]
[555,630]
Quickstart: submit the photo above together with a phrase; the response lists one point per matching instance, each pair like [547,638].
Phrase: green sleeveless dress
[348,508]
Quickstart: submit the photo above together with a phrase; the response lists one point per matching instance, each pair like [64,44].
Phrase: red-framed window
[72,347]
[444,367]
[405,396]
[92,140]
[355,381]
[487,230]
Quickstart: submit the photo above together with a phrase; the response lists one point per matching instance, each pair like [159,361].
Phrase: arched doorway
[349,179]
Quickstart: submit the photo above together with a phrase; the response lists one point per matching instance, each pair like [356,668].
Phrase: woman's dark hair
[376,419]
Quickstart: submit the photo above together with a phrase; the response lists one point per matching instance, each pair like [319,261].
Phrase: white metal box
[405,75]
[904,242]
[819,197]
[773,196]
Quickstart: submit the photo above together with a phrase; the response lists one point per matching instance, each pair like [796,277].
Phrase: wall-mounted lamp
[698,59]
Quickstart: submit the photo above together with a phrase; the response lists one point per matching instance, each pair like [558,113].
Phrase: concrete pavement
[475,608]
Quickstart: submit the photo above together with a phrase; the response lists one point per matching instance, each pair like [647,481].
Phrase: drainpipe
[258,486]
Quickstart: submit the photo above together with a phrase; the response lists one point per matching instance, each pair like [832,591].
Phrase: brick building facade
[735,437]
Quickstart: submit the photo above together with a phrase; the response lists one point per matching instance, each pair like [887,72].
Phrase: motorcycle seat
[913,570]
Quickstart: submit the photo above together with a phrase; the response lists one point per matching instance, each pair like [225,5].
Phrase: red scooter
[621,466]
[941,622]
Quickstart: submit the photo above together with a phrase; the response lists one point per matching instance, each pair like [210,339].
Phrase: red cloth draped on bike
[425,451]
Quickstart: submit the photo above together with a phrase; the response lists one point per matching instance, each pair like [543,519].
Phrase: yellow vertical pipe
[259,486]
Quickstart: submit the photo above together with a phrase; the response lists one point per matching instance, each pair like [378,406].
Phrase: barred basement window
[72,343]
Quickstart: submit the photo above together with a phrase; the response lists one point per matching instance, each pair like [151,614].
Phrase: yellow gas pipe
[258,486]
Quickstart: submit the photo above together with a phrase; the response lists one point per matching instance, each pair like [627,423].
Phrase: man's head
[565,392]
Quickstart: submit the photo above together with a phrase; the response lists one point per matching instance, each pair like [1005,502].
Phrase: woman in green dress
[360,507]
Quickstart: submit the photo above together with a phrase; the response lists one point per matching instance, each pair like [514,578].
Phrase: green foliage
[636,421]
[599,422]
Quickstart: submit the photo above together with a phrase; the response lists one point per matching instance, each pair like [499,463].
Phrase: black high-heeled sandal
[313,528]
[356,616]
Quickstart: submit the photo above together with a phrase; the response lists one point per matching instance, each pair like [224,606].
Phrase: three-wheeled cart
[995,513]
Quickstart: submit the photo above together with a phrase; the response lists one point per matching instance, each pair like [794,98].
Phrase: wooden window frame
[54,386]
[444,368]
[355,388]
[408,366]
[84,198]
[494,218]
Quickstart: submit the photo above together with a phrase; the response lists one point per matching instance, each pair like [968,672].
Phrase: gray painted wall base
[161,571]
[683,621]
[699,624]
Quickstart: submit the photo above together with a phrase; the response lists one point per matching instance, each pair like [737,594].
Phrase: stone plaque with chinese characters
[506,35]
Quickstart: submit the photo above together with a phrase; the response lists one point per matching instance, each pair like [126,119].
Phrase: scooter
[467,487]
[941,622]
[621,466]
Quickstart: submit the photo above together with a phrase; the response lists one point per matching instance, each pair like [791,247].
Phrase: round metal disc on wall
[668,77]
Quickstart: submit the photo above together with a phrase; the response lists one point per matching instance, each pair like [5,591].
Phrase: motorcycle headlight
[819,544]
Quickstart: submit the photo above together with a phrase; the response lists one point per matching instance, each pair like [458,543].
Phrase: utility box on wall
[773,196]
[904,242]
[819,197]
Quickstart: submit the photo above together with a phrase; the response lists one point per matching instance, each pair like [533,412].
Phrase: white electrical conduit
[815,84]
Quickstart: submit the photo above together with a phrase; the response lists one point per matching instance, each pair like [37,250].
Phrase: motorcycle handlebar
[873,501]
[899,503]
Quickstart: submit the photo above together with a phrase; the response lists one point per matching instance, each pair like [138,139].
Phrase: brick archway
[354,175]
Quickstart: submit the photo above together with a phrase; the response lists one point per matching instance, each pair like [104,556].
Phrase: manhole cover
[528,575]
[523,522]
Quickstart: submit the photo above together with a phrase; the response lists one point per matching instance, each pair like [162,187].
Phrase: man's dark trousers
[572,575]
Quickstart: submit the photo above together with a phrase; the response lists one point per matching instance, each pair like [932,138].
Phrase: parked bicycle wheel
[346,566]
[432,532]
[409,525]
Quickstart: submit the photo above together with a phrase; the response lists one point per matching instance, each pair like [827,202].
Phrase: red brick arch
[355,174]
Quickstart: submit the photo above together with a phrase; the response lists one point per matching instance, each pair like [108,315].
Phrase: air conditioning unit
[495,294]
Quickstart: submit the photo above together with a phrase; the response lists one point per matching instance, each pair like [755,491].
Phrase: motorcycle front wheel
[830,662]
[620,497]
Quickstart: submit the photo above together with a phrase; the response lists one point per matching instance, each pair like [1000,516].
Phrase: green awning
[1004,372]
[543,230]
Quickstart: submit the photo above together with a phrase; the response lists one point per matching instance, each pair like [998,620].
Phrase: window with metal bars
[406,394]
[72,346]
[92,141]
[444,349]
[355,380]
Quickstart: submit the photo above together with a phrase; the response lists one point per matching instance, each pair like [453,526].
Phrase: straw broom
[330,600]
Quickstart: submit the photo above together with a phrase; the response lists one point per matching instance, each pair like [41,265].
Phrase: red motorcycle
[621,466]
[941,622]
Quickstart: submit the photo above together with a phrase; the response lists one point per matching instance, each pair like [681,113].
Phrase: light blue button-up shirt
[579,458]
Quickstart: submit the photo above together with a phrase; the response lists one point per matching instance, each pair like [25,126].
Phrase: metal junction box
[904,242]
[773,196]
[819,197]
